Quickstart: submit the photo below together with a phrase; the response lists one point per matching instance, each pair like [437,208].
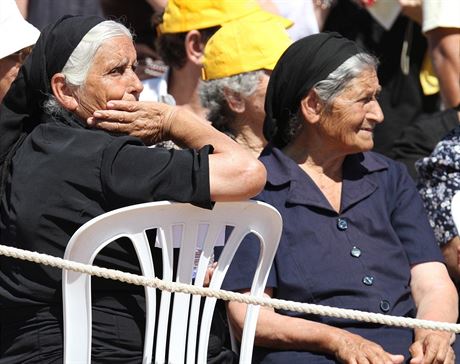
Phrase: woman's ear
[194,47]
[63,93]
[311,107]
[234,101]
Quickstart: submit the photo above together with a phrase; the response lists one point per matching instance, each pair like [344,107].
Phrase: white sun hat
[16,32]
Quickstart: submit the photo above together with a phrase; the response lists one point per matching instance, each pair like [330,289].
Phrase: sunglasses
[21,55]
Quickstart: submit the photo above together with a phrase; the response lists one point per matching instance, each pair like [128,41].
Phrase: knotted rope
[226,295]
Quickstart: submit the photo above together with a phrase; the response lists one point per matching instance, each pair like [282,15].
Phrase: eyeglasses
[21,55]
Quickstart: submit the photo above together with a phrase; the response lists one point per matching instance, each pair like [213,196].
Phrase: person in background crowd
[308,15]
[441,25]
[59,173]
[419,139]
[40,13]
[139,16]
[438,181]
[355,233]
[185,28]
[401,50]
[157,5]
[237,64]
[18,38]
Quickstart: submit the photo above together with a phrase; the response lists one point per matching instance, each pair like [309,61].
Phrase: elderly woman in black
[355,233]
[58,173]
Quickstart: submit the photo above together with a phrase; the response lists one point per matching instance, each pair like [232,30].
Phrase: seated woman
[237,64]
[58,173]
[355,232]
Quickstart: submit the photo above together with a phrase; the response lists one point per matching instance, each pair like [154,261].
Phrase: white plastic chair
[178,225]
[455,210]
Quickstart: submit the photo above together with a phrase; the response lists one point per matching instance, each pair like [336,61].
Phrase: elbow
[254,176]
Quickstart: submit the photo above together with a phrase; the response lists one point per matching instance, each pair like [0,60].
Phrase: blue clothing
[359,258]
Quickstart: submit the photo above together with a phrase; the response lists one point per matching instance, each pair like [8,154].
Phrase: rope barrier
[226,295]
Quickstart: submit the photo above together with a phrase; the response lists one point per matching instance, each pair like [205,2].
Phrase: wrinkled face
[355,113]
[110,77]
[254,103]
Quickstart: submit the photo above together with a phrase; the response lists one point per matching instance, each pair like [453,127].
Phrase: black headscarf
[21,109]
[306,62]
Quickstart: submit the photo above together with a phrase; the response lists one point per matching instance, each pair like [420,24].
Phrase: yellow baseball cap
[186,15]
[244,46]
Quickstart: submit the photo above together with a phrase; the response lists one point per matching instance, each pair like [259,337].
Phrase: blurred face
[355,112]
[9,68]
[110,77]
[254,103]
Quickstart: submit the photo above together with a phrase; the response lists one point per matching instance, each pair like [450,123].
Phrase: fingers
[209,273]
[124,105]
[450,358]
[355,349]
[109,126]
[114,115]
[397,359]
[434,348]
[131,106]
[416,351]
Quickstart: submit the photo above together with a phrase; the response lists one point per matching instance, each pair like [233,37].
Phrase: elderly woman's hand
[435,347]
[149,121]
[350,348]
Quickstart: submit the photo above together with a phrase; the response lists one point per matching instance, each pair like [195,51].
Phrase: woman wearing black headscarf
[57,173]
[355,233]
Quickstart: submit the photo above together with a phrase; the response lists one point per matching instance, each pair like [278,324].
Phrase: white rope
[226,295]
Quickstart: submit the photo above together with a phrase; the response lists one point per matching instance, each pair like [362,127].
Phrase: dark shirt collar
[357,184]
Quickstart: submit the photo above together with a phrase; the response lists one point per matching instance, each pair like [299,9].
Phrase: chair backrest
[455,210]
[191,229]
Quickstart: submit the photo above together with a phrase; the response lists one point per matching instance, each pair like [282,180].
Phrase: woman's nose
[136,85]
[375,112]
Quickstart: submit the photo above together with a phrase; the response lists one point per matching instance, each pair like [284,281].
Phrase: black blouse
[64,175]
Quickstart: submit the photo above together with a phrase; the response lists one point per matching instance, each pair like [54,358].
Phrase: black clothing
[302,65]
[21,109]
[420,138]
[58,175]
[43,12]
[62,176]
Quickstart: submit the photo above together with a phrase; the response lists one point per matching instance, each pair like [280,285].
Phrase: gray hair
[328,89]
[77,66]
[213,98]
[337,81]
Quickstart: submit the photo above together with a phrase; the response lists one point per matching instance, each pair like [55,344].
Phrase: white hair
[81,59]
[77,66]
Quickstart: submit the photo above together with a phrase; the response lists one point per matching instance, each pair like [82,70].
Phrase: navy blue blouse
[359,258]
